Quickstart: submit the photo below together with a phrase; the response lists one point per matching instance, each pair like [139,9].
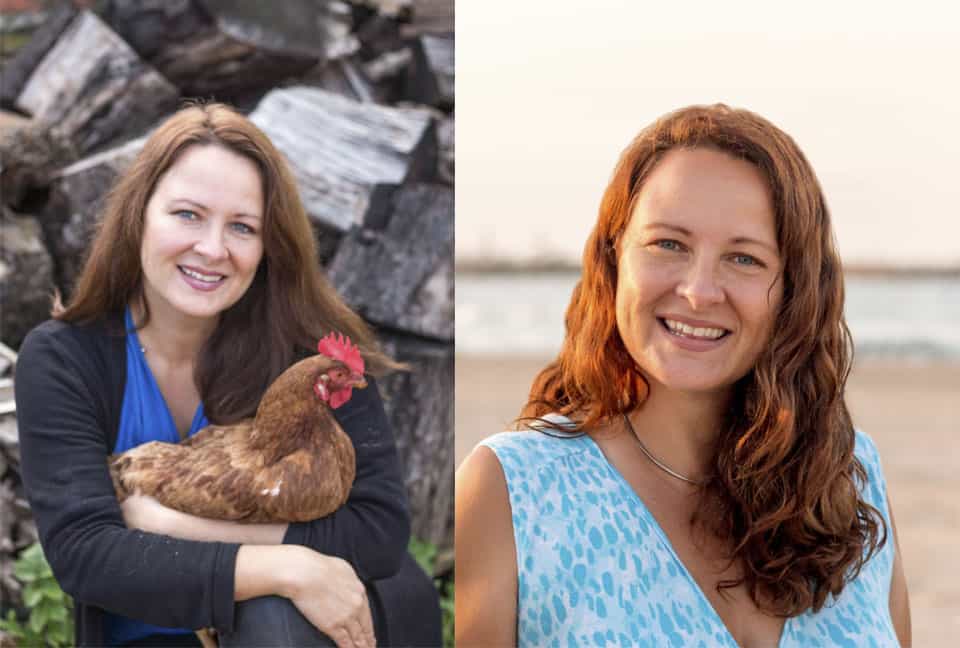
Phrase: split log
[10,442]
[76,198]
[399,9]
[402,277]
[446,157]
[430,77]
[378,33]
[16,71]
[224,48]
[347,156]
[429,17]
[29,154]
[381,80]
[92,89]
[340,41]
[345,77]
[374,68]
[419,404]
[26,276]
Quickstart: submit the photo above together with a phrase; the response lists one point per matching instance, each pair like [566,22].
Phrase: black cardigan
[69,391]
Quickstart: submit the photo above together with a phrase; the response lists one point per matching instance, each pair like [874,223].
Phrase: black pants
[405,610]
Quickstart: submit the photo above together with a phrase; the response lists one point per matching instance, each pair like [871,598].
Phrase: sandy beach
[912,411]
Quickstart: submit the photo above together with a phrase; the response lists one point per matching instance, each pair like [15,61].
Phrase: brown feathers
[291,463]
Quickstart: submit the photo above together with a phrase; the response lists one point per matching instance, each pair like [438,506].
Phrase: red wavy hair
[785,474]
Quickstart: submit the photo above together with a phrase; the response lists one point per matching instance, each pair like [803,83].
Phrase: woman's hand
[328,593]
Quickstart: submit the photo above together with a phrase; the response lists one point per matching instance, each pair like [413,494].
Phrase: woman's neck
[172,338]
[681,428]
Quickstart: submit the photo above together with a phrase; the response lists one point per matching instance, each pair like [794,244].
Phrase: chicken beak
[360,382]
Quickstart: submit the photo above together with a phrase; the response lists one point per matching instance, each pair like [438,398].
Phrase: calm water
[902,318]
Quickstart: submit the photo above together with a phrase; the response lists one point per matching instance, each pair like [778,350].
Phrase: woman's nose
[211,244]
[701,286]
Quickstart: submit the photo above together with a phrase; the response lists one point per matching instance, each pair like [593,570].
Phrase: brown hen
[290,463]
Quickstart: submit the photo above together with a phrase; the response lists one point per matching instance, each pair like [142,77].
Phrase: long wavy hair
[784,483]
[289,305]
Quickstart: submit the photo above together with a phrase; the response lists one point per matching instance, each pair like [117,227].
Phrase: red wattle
[340,397]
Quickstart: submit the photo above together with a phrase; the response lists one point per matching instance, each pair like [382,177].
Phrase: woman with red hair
[691,475]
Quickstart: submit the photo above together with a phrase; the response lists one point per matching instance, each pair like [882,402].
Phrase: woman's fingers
[367,624]
[360,624]
[342,638]
[357,634]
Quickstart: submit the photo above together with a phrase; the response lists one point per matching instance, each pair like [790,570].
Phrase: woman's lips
[692,343]
[199,284]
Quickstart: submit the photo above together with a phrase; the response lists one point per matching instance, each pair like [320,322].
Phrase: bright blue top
[594,567]
[144,417]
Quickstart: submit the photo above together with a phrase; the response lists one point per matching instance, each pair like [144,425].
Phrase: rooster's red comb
[339,347]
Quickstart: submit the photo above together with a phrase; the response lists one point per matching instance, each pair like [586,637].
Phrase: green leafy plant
[425,554]
[446,608]
[50,621]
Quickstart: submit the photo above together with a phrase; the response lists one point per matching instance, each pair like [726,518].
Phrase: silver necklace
[659,464]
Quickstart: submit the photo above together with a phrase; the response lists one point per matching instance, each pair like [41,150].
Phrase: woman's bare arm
[147,514]
[899,599]
[486,602]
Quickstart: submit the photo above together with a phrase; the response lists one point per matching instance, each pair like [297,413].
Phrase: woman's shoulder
[75,333]
[866,451]
[874,489]
[864,447]
[548,439]
[93,352]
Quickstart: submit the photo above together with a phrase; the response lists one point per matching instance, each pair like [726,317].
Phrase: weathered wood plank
[92,88]
[76,197]
[15,72]
[402,277]
[430,17]
[342,152]
[430,77]
[419,404]
[26,276]
[226,49]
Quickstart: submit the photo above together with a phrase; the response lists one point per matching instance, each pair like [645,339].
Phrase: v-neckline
[628,488]
[198,413]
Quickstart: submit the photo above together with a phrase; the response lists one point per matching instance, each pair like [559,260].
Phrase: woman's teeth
[679,328]
[201,277]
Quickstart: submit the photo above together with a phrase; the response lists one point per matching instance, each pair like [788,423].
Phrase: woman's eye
[745,260]
[185,214]
[243,228]
[669,244]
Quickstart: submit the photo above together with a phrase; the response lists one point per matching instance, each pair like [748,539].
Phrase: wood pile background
[359,98]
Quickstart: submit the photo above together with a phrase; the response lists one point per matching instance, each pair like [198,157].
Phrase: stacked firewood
[359,98]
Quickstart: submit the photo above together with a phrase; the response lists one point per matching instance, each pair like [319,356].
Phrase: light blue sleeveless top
[595,568]
[144,417]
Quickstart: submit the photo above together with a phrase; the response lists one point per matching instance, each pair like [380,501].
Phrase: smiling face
[202,239]
[699,272]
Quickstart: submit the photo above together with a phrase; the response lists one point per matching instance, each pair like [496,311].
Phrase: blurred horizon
[551,100]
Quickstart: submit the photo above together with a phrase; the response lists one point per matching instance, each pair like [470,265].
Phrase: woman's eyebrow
[205,208]
[677,228]
[746,239]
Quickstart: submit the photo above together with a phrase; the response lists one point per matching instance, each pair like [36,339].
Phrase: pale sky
[550,92]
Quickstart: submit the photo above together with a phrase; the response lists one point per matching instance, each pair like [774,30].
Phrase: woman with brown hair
[201,286]
[693,477]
